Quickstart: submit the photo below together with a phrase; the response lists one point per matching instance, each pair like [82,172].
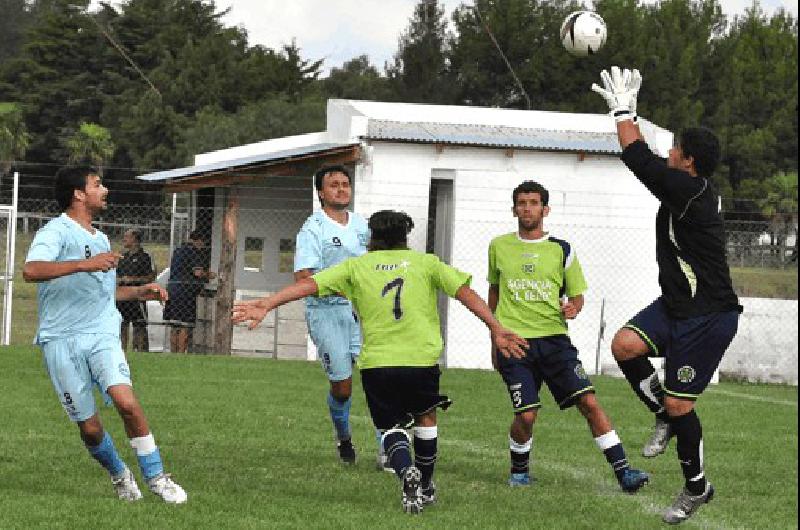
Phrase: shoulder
[563,244]
[313,222]
[504,239]
[358,220]
[55,227]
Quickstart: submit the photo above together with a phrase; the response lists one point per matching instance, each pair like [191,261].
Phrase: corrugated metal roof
[493,136]
[243,163]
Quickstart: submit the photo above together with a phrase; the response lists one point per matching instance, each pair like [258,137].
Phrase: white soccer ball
[583,33]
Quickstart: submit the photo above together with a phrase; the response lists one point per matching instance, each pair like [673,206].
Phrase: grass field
[250,441]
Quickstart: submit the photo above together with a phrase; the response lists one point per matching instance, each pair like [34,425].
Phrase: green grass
[765,283]
[251,442]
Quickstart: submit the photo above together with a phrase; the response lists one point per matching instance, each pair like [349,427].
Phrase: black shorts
[396,395]
[133,311]
[552,360]
[692,347]
[181,309]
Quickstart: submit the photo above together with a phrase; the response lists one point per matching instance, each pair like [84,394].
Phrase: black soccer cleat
[347,453]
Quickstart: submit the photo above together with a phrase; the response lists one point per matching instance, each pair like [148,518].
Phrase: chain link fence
[762,255]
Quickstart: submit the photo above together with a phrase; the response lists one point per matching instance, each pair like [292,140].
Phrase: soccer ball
[583,33]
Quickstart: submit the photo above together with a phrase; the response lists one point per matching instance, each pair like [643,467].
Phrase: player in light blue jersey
[328,237]
[79,328]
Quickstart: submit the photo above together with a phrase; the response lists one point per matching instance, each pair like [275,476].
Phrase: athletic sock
[520,455]
[425,439]
[612,448]
[643,379]
[396,447]
[689,433]
[148,456]
[106,453]
[340,415]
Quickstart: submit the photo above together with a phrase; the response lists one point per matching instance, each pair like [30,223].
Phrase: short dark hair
[69,179]
[136,233]
[197,235]
[530,186]
[703,146]
[389,230]
[319,175]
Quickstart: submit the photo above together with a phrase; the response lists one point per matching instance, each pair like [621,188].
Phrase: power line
[503,55]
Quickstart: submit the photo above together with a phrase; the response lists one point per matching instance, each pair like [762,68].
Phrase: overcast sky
[338,30]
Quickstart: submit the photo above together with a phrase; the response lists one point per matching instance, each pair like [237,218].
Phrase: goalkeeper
[695,319]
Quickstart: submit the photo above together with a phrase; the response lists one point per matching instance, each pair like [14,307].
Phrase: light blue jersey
[323,243]
[78,303]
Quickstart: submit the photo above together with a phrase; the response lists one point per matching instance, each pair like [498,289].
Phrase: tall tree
[358,79]
[420,70]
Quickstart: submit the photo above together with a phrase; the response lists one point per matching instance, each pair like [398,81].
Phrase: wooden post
[223,330]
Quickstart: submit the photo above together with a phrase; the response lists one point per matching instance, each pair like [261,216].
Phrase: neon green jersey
[394,294]
[532,275]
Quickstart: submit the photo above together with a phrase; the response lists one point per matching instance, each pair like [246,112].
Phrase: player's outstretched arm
[42,271]
[150,291]
[254,311]
[509,343]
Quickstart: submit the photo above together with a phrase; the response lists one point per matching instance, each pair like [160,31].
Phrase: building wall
[596,204]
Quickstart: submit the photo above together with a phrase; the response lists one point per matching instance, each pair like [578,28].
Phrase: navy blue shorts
[692,347]
[396,395]
[553,360]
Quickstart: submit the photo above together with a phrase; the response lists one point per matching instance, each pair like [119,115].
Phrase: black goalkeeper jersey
[690,237]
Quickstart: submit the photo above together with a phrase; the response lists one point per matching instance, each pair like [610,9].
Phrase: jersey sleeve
[447,278]
[675,188]
[493,275]
[335,280]
[307,252]
[574,281]
[46,246]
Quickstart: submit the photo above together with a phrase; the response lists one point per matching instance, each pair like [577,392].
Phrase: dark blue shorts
[397,395]
[692,347]
[553,360]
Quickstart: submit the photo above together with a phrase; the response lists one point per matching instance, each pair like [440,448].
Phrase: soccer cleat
[686,504]
[382,464]
[632,480]
[428,495]
[658,441]
[519,480]
[412,491]
[126,487]
[347,453]
[163,486]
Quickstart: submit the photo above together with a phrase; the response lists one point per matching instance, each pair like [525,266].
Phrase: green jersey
[394,294]
[532,275]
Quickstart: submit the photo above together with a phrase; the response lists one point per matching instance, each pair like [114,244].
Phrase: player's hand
[569,309]
[101,262]
[509,343]
[620,90]
[153,291]
[251,311]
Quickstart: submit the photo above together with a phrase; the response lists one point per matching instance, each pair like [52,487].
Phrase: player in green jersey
[530,273]
[393,290]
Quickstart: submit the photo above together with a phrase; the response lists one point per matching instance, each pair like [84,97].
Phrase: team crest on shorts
[686,374]
[123,369]
[580,372]
[527,268]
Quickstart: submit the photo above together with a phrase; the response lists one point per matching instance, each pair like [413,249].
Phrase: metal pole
[600,334]
[10,256]
[172,227]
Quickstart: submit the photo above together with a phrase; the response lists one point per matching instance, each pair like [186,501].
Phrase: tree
[779,205]
[14,137]
[420,71]
[90,143]
[357,79]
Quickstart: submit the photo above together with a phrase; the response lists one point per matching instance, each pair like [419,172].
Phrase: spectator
[134,268]
[188,271]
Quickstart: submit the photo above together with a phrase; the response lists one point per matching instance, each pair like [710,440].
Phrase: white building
[452,169]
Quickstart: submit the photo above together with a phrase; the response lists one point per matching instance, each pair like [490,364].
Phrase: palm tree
[779,205]
[91,143]
[14,137]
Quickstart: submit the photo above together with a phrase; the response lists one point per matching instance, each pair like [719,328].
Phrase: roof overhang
[248,169]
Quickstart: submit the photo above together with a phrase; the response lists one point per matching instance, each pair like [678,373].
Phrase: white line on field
[753,398]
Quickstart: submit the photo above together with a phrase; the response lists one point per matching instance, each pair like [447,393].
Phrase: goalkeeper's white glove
[621,88]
